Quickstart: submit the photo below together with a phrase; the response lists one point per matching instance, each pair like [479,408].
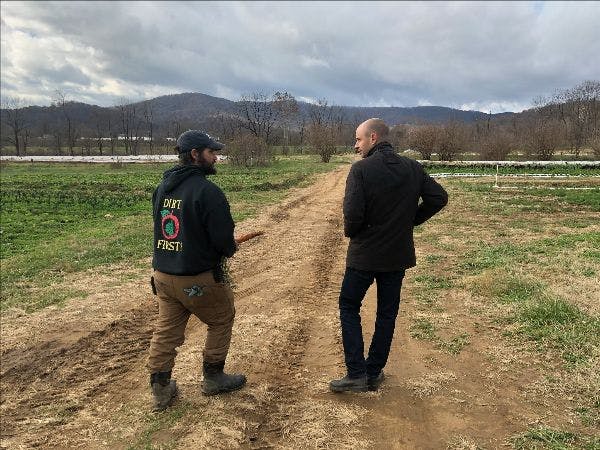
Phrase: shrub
[248,150]
[322,139]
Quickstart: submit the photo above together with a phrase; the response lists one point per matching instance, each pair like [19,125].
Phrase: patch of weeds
[527,203]
[506,288]
[434,282]
[50,296]
[588,272]
[486,257]
[568,241]
[423,329]
[432,259]
[455,345]
[549,438]
[590,416]
[578,223]
[594,255]
[427,298]
[157,422]
[588,198]
[521,224]
[557,324]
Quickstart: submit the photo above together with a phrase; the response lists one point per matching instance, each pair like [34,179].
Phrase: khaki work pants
[180,296]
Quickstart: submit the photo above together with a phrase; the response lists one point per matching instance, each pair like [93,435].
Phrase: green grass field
[63,218]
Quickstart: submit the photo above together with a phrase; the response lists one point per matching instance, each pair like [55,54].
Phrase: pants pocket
[214,305]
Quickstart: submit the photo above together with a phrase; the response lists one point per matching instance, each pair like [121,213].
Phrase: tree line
[567,121]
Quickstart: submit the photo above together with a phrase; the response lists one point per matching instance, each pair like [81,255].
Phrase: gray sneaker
[348,384]
[375,382]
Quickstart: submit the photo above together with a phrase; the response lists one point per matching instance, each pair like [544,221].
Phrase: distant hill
[196,106]
[189,107]
[195,109]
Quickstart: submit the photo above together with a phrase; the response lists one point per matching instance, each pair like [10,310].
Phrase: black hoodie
[193,227]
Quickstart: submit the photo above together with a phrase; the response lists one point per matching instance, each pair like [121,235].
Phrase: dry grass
[317,424]
[429,383]
[462,443]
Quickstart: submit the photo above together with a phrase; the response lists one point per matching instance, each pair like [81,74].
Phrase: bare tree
[14,118]
[541,136]
[149,119]
[492,140]
[130,125]
[423,138]
[595,145]
[287,108]
[399,137]
[496,144]
[301,130]
[57,139]
[259,114]
[451,141]
[112,134]
[98,131]
[224,126]
[325,127]
[26,134]
[176,128]
[65,106]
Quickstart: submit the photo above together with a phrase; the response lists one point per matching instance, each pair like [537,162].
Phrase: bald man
[387,195]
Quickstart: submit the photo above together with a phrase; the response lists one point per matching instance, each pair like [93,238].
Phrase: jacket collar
[380,146]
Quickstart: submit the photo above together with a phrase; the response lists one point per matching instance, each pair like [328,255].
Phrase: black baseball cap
[195,139]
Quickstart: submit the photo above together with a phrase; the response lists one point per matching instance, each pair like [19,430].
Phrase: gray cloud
[487,56]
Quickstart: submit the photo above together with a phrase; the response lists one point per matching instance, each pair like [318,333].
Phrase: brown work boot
[217,382]
[164,390]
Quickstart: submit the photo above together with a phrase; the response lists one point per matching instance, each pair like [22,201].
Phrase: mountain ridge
[197,109]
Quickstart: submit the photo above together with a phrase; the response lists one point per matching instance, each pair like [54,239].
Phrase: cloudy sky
[484,56]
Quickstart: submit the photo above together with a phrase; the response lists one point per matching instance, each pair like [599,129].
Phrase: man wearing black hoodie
[381,208]
[193,232]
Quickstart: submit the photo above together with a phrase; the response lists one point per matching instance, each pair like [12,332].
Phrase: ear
[195,154]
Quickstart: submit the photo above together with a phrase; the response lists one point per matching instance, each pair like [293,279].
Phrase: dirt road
[74,376]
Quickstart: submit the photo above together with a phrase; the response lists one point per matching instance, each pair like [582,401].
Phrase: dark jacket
[381,207]
[193,227]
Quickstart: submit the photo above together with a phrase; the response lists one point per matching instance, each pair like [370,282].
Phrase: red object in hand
[248,236]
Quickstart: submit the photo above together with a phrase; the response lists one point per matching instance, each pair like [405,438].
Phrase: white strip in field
[510,175]
[93,159]
[552,188]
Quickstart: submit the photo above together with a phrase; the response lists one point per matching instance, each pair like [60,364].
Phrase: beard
[209,169]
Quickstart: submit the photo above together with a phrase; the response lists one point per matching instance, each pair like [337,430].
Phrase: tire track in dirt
[42,379]
[287,387]
[271,416]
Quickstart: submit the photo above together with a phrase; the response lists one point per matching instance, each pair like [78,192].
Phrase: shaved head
[368,134]
[378,127]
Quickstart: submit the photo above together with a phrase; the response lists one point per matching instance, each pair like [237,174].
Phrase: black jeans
[354,287]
